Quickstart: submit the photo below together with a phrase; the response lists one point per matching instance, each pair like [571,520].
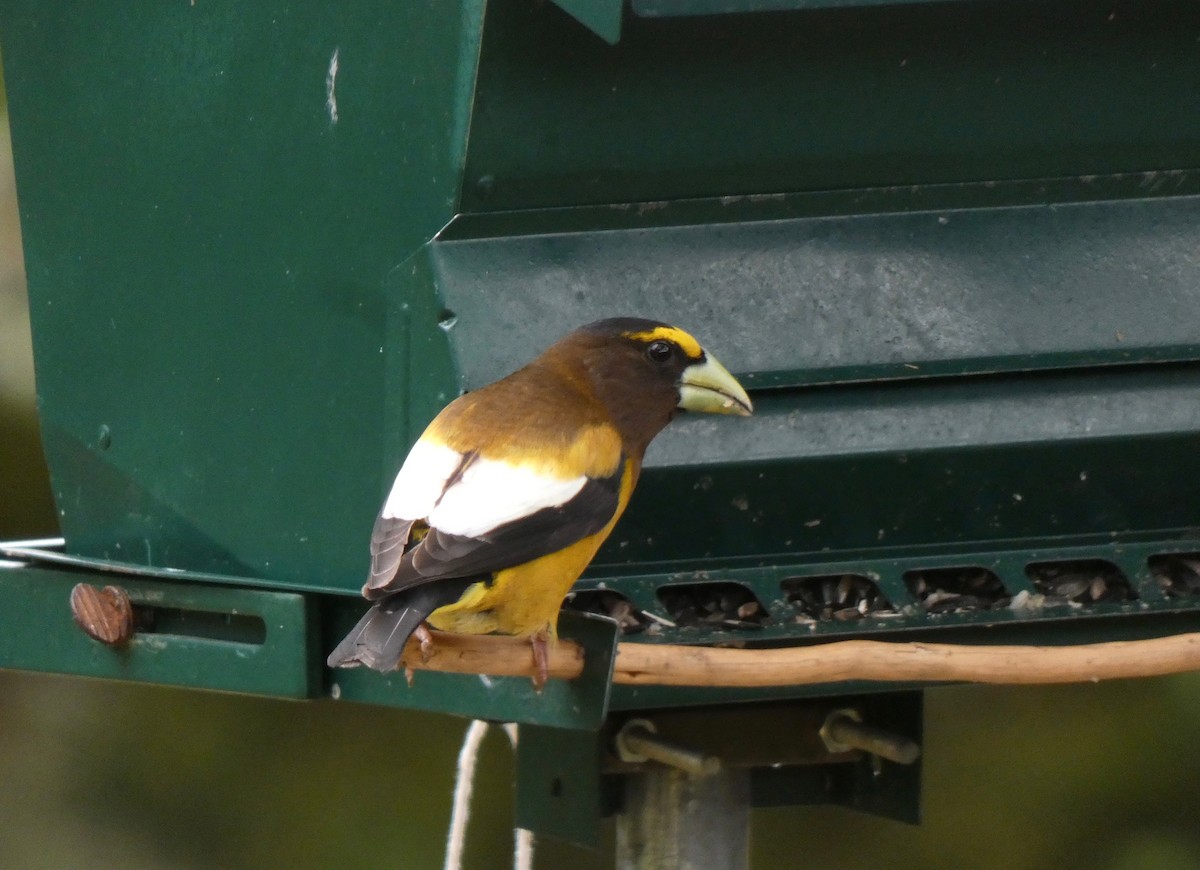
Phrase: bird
[505,498]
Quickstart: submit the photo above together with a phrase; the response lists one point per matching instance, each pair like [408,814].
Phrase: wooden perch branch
[646,664]
[642,664]
[491,654]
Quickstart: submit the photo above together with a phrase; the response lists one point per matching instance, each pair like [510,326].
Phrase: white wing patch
[491,493]
[488,494]
[421,481]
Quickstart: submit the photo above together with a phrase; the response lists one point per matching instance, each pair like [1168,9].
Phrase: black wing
[440,555]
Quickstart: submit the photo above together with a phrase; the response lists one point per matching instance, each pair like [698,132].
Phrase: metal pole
[673,819]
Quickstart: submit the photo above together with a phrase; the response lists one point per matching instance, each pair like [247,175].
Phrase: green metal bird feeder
[949,247]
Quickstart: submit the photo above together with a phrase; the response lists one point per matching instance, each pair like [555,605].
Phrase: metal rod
[637,742]
[844,730]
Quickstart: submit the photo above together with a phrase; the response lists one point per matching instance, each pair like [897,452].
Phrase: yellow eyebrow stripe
[689,345]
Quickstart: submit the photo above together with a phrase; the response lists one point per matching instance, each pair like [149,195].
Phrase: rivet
[104,437]
[485,186]
[104,614]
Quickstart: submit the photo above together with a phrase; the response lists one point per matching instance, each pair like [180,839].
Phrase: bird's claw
[541,659]
[425,639]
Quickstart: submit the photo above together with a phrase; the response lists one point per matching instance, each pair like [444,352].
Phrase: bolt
[104,614]
[637,741]
[844,731]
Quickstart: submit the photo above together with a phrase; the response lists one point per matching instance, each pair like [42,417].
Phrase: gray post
[672,819]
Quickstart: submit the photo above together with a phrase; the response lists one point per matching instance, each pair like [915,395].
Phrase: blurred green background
[96,774]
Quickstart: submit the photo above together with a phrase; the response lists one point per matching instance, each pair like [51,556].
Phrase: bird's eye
[659,351]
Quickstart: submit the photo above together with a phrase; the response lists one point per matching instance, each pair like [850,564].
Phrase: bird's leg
[540,641]
[425,639]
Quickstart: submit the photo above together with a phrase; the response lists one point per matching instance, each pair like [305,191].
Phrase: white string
[522,838]
[523,854]
[464,782]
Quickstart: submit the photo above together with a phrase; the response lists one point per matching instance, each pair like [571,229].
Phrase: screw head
[104,614]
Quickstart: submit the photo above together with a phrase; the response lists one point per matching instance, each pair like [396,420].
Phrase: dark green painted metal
[887,570]
[422,369]
[951,464]
[879,788]
[318,400]
[560,792]
[580,704]
[104,569]
[602,17]
[864,297]
[1029,621]
[827,99]
[886,788]
[866,201]
[949,246]
[207,249]
[675,8]
[38,633]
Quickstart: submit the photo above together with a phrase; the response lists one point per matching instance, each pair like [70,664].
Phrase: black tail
[379,638]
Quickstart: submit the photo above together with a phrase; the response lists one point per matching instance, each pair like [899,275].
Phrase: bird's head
[645,371]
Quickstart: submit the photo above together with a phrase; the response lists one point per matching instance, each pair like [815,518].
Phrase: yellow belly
[525,599]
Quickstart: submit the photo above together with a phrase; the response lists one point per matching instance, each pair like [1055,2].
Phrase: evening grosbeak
[511,490]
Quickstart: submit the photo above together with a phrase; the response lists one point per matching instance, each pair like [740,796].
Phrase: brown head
[644,372]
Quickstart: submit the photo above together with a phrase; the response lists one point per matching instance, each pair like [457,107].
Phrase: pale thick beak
[710,388]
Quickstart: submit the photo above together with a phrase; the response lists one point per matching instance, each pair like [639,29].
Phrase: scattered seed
[750,608]
[1087,581]
[713,605]
[1071,587]
[604,602]
[1177,576]
[837,597]
[957,590]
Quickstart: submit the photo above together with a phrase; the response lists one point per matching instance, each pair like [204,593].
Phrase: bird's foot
[425,639]
[541,658]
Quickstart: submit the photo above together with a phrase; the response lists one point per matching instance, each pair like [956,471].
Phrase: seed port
[713,605]
[1177,574]
[840,597]
[605,602]
[1083,581]
[231,627]
[957,590]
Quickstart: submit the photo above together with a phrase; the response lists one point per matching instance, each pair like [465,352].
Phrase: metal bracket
[579,704]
